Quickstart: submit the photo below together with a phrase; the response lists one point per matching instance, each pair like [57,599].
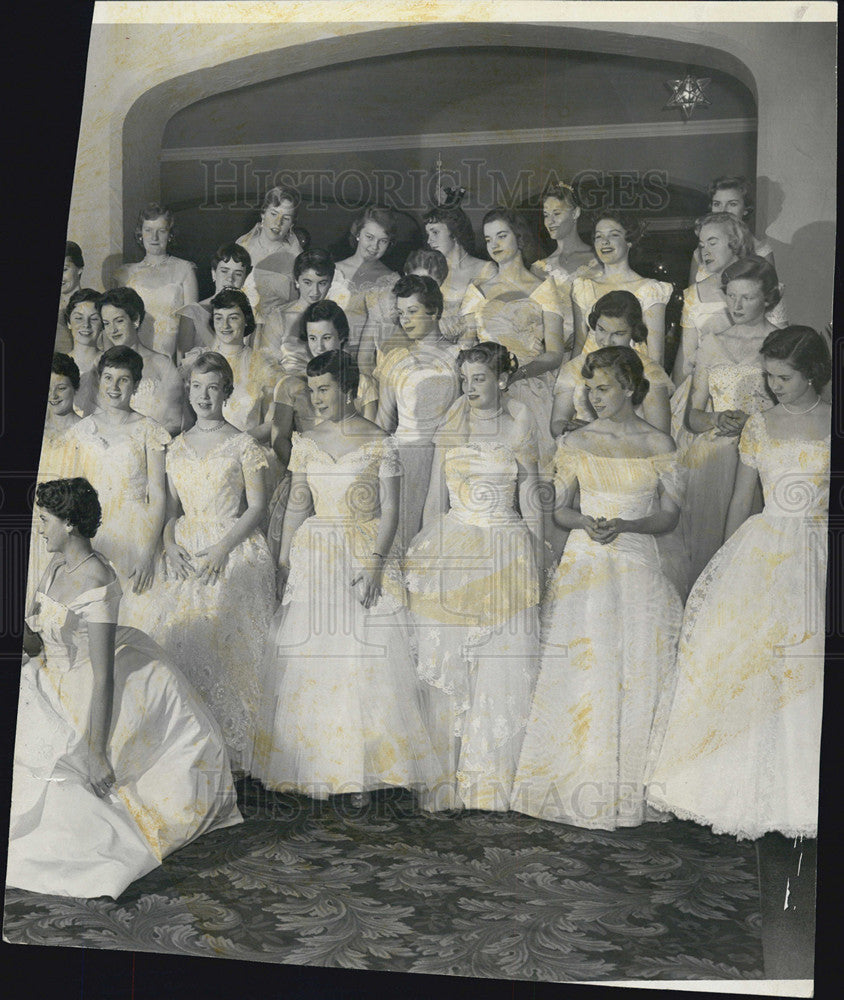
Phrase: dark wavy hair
[495,356]
[316,260]
[75,501]
[341,366]
[126,299]
[81,295]
[233,252]
[632,228]
[625,364]
[424,288]
[804,349]
[431,261]
[325,311]
[73,253]
[458,225]
[234,298]
[63,364]
[736,183]
[154,210]
[621,305]
[753,268]
[520,229]
[122,357]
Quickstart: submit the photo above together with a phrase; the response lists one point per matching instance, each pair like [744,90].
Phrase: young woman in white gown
[728,385]
[474,583]
[164,282]
[362,284]
[85,327]
[116,762]
[56,459]
[731,194]
[121,453]
[216,606]
[276,239]
[322,327]
[523,313]
[560,211]
[416,386]
[610,618]
[742,746]
[613,236]
[340,710]
[160,394]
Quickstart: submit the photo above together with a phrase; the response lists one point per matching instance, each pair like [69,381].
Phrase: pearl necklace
[217,425]
[73,569]
[476,415]
[799,413]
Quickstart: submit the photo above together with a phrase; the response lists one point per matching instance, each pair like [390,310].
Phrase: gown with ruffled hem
[474,597]
[610,623]
[340,709]
[741,745]
[173,781]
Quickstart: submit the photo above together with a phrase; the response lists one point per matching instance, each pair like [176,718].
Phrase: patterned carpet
[477,894]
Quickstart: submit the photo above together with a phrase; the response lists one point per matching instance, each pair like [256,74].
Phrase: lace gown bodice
[211,487]
[794,472]
[116,465]
[732,385]
[345,488]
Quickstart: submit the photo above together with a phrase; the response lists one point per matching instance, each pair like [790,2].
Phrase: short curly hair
[431,261]
[424,288]
[81,295]
[122,357]
[458,225]
[733,183]
[632,228]
[383,217]
[154,210]
[341,366]
[75,501]
[495,356]
[625,364]
[754,268]
[739,237]
[804,349]
[620,304]
[125,299]
[325,311]
[234,298]
[63,364]
[212,361]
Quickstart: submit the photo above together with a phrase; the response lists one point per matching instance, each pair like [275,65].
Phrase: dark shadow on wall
[806,266]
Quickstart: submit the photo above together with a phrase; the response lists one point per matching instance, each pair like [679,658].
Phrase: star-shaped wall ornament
[688,93]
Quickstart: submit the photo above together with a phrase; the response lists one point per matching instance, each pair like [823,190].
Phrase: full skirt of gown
[173,781]
[340,711]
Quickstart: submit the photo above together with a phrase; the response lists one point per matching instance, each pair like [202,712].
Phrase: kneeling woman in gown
[116,762]
[473,577]
[340,712]
[610,617]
